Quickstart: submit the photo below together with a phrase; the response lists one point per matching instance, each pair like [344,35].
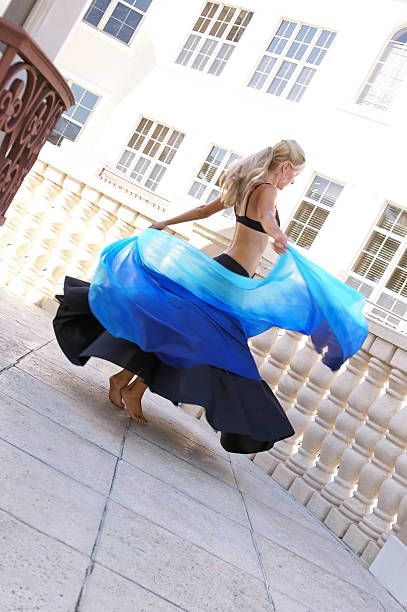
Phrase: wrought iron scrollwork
[33,95]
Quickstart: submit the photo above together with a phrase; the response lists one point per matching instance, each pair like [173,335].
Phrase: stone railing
[58,225]
[33,95]
[347,461]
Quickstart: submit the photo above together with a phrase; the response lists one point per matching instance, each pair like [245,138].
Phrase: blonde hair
[243,175]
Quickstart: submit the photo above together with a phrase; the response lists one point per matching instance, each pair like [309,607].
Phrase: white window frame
[210,53]
[149,165]
[376,73]
[65,115]
[280,64]
[378,290]
[107,15]
[208,189]
[317,205]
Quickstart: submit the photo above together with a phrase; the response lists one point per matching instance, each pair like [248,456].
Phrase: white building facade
[168,93]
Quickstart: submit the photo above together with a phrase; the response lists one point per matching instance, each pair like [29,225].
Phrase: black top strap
[251,193]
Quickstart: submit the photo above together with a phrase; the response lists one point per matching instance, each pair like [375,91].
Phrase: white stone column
[20,207]
[295,376]
[280,356]
[260,345]
[372,476]
[50,23]
[317,430]
[300,414]
[31,243]
[358,455]
[392,502]
[344,432]
[56,260]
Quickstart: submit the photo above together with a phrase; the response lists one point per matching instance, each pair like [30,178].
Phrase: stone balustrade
[347,462]
[57,225]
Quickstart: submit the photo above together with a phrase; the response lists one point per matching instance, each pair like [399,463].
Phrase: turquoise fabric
[172,299]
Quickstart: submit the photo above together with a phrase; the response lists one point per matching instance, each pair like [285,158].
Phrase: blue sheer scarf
[174,300]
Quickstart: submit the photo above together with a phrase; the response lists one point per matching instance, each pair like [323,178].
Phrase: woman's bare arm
[266,212]
[199,212]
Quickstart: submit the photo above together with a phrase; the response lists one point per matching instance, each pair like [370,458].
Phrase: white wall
[343,141]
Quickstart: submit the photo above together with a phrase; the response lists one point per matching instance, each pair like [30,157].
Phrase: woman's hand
[158,225]
[280,244]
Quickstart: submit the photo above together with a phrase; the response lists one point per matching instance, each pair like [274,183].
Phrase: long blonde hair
[243,175]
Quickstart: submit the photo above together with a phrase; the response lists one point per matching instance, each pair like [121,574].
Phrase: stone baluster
[359,453]
[123,225]
[289,385]
[50,262]
[280,355]
[22,250]
[300,415]
[303,486]
[401,514]
[95,237]
[377,525]
[372,476]
[343,434]
[260,345]
[71,247]
[295,376]
[20,206]
[43,243]
[17,242]
[85,234]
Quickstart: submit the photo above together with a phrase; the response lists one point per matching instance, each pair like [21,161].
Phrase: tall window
[291,59]
[119,19]
[72,121]
[388,74]
[313,211]
[214,37]
[380,270]
[206,185]
[149,153]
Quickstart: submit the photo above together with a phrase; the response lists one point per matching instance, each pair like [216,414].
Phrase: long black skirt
[244,410]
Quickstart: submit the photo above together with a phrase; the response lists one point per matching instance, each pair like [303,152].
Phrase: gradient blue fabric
[175,301]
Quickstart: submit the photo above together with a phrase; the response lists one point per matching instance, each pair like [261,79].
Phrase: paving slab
[172,567]
[110,592]
[56,446]
[99,514]
[185,517]
[48,500]
[37,572]
[95,421]
[320,590]
[186,478]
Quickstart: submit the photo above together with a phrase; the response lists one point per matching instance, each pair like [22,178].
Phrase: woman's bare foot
[117,383]
[132,395]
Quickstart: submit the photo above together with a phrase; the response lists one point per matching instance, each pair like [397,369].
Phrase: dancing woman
[250,186]
[179,321]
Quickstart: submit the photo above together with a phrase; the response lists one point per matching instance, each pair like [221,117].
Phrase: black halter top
[255,225]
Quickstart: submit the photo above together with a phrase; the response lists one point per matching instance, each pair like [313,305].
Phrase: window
[214,37]
[291,60]
[313,211]
[119,19]
[149,153]
[388,74]
[72,121]
[380,270]
[206,185]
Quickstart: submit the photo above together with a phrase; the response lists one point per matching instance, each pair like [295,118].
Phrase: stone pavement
[100,515]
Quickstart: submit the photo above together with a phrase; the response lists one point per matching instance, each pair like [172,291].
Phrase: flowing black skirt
[244,410]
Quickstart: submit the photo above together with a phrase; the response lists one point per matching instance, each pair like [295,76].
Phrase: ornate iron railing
[33,95]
